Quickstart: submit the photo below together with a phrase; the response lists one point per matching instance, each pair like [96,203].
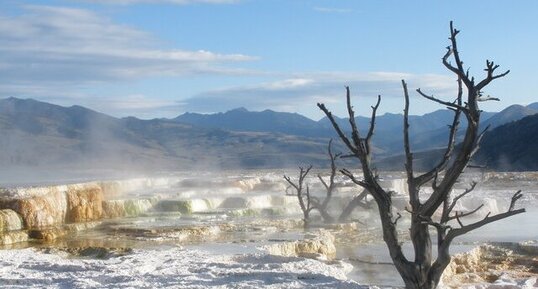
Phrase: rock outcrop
[45,213]
[126,208]
[113,209]
[492,266]
[320,246]
[84,205]
[13,237]
[40,211]
[10,221]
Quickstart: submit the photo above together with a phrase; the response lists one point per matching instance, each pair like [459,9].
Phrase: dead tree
[423,271]
[309,203]
[322,207]
[305,201]
[357,201]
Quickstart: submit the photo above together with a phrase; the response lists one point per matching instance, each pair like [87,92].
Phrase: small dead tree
[357,201]
[305,201]
[423,271]
[309,203]
[322,207]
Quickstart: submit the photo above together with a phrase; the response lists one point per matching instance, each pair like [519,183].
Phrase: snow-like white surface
[505,282]
[170,267]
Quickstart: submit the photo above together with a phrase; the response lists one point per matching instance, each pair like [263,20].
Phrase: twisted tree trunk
[423,272]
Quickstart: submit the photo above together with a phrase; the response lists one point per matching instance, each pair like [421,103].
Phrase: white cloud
[64,47]
[287,84]
[332,10]
[138,105]
[301,92]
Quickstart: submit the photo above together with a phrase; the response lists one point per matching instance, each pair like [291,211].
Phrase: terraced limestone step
[10,221]
[231,203]
[320,246]
[127,208]
[45,212]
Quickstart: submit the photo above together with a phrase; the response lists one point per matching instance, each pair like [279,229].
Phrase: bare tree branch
[352,177]
[354,130]
[479,140]
[490,69]
[407,148]
[399,216]
[305,204]
[458,215]
[445,103]
[455,200]
[329,187]
[488,219]
[372,125]
[434,172]
[514,199]
[453,50]
[357,201]
[340,133]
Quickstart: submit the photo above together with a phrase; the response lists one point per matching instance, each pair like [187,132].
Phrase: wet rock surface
[40,211]
[90,251]
[84,205]
[9,238]
[511,265]
[126,208]
[52,233]
[10,220]
[113,209]
[318,245]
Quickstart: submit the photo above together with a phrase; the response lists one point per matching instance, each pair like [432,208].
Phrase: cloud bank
[332,10]
[300,90]
[58,54]
[49,50]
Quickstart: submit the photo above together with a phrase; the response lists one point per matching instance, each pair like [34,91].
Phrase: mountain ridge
[39,133]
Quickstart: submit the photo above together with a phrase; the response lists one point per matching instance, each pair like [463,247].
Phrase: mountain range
[512,146]
[39,134]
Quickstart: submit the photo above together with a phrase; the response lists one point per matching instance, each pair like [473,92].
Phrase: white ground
[170,267]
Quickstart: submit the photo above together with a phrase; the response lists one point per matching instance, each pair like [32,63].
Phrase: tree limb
[458,215]
[355,136]
[407,148]
[488,219]
[490,69]
[433,173]
[352,177]
[372,125]
[340,133]
[455,200]
[445,103]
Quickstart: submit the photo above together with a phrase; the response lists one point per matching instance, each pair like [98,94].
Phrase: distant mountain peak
[239,109]
[16,99]
[533,105]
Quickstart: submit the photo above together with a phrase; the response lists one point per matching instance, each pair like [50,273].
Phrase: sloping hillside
[513,146]
[38,134]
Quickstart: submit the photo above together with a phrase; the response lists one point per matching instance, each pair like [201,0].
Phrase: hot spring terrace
[245,211]
[48,212]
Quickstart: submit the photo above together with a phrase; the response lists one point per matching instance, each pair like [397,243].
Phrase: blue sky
[160,58]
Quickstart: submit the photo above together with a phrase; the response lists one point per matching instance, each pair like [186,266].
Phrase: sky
[161,58]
